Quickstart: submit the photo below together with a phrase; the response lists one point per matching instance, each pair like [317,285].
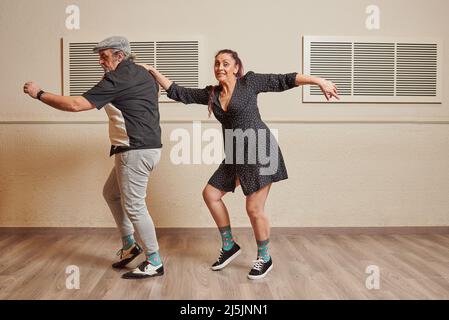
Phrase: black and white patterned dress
[258,164]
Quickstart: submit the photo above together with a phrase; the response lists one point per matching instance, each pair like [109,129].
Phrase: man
[130,97]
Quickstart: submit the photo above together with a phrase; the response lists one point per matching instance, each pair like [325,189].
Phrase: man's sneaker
[260,269]
[128,255]
[226,257]
[145,270]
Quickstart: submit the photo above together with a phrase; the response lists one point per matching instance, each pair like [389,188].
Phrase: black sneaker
[226,257]
[126,256]
[145,270]
[260,269]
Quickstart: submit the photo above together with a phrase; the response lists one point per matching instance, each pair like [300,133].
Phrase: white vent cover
[375,70]
[178,60]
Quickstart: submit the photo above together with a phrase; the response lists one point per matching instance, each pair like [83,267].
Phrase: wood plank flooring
[307,265]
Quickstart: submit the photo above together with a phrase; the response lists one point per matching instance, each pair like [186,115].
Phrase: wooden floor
[307,265]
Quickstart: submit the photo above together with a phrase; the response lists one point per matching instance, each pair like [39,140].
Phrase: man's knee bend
[108,195]
[135,209]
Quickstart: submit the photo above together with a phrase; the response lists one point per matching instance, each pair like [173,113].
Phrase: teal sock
[128,241]
[262,250]
[226,237]
[153,258]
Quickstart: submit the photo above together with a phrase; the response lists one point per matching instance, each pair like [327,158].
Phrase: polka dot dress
[251,151]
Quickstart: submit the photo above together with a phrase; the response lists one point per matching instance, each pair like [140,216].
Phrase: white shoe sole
[137,274]
[261,276]
[221,266]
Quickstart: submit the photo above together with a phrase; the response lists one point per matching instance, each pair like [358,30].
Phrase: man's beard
[106,69]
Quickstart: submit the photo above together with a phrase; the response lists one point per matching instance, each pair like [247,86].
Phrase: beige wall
[349,164]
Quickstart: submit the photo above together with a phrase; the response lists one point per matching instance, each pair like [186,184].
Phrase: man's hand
[31,88]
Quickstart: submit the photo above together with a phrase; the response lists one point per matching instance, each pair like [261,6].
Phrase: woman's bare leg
[255,207]
[230,250]
[213,199]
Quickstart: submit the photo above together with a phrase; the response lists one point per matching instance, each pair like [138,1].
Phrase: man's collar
[123,63]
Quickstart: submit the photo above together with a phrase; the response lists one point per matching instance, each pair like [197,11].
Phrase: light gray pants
[125,192]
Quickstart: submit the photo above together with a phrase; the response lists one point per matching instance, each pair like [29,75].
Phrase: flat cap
[114,42]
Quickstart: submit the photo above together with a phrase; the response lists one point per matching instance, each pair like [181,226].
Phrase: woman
[234,103]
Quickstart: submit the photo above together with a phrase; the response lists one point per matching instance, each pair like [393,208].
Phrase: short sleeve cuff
[89,98]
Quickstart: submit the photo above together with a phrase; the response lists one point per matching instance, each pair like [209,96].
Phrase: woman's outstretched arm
[180,93]
[281,82]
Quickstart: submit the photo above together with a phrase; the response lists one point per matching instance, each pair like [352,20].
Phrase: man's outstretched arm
[64,103]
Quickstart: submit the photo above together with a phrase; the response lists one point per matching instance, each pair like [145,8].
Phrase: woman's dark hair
[239,74]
